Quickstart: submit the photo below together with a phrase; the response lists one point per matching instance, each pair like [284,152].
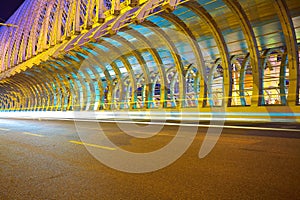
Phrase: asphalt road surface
[48,160]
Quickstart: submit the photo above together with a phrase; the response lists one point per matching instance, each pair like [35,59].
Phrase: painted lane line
[93,145]
[32,134]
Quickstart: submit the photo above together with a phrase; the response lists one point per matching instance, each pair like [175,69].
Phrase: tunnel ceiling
[50,28]
[132,40]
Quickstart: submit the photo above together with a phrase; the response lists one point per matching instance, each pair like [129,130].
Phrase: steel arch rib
[157,60]
[44,67]
[174,52]
[139,58]
[105,71]
[292,50]
[59,86]
[28,92]
[252,47]
[127,65]
[108,77]
[45,84]
[219,38]
[31,94]
[22,102]
[32,83]
[26,34]
[73,69]
[39,91]
[196,48]
[93,58]
[10,39]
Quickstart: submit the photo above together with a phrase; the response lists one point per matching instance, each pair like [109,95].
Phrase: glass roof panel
[111,41]
[100,47]
[134,64]
[100,72]
[121,66]
[142,30]
[91,74]
[127,36]
[161,22]
[90,50]
[73,57]
[81,54]
[166,57]
[151,64]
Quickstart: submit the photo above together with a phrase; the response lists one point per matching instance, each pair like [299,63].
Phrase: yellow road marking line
[33,134]
[4,129]
[93,145]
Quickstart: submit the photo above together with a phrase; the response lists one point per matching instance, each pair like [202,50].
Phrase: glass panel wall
[275,77]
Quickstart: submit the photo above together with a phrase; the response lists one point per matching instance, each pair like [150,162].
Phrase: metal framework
[150,54]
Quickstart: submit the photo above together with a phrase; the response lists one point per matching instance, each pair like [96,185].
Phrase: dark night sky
[8,8]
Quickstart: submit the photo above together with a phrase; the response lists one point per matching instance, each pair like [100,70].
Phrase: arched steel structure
[151,54]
